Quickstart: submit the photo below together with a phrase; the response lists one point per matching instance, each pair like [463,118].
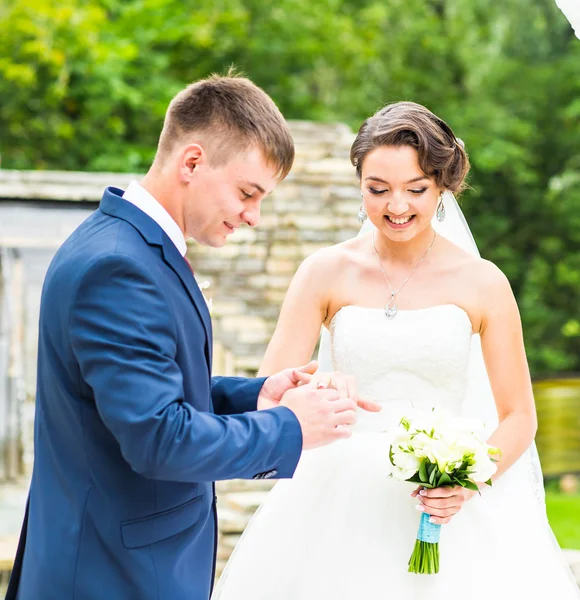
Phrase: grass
[564,516]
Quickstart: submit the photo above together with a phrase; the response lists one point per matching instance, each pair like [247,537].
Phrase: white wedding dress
[342,530]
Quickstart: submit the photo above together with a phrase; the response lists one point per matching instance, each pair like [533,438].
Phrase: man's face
[220,199]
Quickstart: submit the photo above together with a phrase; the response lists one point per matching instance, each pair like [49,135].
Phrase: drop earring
[362,214]
[441,210]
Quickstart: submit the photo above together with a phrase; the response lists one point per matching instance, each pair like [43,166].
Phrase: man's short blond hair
[230,114]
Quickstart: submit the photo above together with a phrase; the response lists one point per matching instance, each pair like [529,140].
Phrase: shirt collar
[137,195]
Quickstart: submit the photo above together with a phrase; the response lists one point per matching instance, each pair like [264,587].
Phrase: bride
[418,320]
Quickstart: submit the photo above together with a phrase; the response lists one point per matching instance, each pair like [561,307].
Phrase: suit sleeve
[124,339]
[235,395]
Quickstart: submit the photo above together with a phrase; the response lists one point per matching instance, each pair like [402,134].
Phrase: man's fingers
[343,404]
[342,432]
[369,405]
[345,417]
[298,377]
[310,368]
[303,374]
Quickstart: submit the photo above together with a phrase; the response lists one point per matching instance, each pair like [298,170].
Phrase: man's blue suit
[131,430]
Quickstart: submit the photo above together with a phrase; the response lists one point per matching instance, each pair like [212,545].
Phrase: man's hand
[277,385]
[324,417]
[345,385]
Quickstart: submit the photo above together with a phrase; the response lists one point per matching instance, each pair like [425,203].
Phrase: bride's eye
[375,191]
[419,191]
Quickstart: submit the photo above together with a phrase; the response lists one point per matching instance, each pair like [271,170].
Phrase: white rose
[401,437]
[421,444]
[405,464]
[483,467]
[443,453]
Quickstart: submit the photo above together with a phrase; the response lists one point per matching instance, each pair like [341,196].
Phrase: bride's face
[399,198]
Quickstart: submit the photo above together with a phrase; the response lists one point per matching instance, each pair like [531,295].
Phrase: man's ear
[192,156]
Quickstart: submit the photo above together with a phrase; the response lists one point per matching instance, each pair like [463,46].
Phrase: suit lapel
[113,204]
[177,262]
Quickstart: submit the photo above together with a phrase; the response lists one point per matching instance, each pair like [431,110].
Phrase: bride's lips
[407,221]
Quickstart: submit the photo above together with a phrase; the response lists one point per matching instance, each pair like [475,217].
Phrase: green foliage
[84,85]
[429,476]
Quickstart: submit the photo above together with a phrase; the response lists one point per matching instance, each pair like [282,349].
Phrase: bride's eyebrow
[379,180]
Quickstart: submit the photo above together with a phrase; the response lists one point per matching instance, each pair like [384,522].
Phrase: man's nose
[251,216]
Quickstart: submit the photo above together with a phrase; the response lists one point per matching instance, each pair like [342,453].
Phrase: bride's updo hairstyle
[442,156]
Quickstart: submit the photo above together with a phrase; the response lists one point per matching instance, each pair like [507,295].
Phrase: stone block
[232,521]
[313,222]
[284,250]
[249,265]
[277,266]
[240,323]
[246,502]
[280,282]
[243,234]
[275,297]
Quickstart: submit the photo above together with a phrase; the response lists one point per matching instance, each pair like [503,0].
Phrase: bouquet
[434,451]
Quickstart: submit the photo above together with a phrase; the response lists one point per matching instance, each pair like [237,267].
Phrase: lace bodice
[417,360]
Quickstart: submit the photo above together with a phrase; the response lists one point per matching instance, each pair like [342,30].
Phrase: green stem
[424,559]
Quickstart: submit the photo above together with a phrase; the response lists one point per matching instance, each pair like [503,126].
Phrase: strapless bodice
[417,360]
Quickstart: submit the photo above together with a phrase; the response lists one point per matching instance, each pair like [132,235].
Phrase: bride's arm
[507,367]
[304,310]
[505,359]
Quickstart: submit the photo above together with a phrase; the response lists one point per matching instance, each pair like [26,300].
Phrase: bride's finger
[369,405]
[338,382]
[416,491]
[349,383]
[439,520]
[440,492]
[439,513]
[323,380]
[440,504]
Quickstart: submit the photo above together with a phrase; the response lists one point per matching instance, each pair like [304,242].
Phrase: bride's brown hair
[442,156]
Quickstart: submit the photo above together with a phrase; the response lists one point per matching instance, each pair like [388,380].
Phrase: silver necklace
[391,307]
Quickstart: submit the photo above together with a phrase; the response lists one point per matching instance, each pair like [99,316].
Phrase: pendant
[391,308]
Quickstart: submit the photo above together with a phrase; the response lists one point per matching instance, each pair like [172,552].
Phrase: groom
[131,430]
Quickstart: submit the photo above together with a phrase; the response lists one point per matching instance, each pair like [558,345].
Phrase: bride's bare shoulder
[337,257]
[481,276]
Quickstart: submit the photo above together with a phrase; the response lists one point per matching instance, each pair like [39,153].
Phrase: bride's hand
[442,503]
[345,385]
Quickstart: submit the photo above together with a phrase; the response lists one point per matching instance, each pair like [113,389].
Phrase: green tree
[84,85]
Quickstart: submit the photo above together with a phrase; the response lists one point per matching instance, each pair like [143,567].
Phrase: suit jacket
[131,430]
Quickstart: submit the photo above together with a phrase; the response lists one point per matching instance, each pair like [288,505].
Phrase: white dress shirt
[136,194]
